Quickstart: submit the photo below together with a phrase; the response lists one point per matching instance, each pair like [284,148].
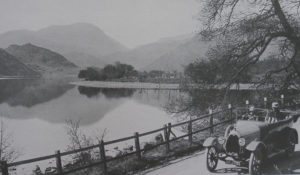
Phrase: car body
[248,143]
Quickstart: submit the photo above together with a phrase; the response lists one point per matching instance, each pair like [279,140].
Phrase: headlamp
[221,140]
[242,142]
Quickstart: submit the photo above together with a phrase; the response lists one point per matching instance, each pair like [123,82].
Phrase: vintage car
[249,142]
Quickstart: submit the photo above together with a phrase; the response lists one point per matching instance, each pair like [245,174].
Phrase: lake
[34,113]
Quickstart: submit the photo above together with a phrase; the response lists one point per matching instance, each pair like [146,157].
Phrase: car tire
[292,137]
[211,158]
[255,162]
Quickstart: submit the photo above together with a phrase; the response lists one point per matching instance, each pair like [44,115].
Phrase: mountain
[86,60]
[11,66]
[182,55]
[168,54]
[144,55]
[40,59]
[85,41]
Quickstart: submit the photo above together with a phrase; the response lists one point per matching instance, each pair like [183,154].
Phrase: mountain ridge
[177,58]
[144,55]
[84,38]
[167,54]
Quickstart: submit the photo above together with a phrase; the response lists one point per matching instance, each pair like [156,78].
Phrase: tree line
[109,72]
[125,72]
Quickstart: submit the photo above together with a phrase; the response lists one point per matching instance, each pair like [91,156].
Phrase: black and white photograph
[149,87]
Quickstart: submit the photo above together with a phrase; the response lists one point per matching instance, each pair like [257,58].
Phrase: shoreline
[126,85]
[145,85]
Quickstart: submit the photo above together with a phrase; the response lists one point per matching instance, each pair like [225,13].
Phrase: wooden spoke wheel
[255,162]
[211,158]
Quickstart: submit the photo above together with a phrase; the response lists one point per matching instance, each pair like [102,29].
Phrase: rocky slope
[11,66]
[40,59]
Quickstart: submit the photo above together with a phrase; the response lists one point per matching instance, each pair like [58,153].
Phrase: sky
[131,22]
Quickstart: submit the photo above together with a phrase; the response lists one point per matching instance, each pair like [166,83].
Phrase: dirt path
[196,165]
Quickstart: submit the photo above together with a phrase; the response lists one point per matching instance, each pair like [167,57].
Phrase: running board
[276,153]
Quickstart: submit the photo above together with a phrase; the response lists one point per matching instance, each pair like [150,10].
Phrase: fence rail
[166,129]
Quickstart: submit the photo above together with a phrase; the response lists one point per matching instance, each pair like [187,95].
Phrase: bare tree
[8,152]
[247,30]
[78,140]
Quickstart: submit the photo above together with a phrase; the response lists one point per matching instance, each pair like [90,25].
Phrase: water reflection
[30,92]
[54,100]
[107,92]
[46,104]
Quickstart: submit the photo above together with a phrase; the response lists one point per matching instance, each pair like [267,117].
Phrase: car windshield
[255,115]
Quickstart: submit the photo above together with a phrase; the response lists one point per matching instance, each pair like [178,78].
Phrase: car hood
[250,130]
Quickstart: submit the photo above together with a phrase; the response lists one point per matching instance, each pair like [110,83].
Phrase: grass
[156,156]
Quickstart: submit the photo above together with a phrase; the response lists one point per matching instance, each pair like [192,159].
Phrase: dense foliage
[220,71]
[109,72]
[127,73]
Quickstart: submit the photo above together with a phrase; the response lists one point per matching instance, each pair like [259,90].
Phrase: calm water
[34,113]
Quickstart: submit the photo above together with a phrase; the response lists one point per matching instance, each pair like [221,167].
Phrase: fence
[103,160]
[166,129]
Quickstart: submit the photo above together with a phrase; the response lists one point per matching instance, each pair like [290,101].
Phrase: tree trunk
[296,61]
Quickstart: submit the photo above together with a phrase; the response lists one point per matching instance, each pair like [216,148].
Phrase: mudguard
[210,141]
[295,118]
[252,146]
[296,133]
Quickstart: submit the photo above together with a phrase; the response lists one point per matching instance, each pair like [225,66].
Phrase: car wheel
[255,162]
[211,158]
[291,144]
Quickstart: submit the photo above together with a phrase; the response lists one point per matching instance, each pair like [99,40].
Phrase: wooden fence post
[265,102]
[247,104]
[4,168]
[58,162]
[103,157]
[190,131]
[230,110]
[137,146]
[167,138]
[282,101]
[211,121]
[169,129]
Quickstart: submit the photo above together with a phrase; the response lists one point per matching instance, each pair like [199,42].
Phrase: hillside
[85,59]
[11,66]
[169,54]
[40,59]
[144,55]
[180,56]
[82,39]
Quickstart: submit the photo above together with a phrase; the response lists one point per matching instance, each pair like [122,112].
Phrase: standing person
[275,115]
